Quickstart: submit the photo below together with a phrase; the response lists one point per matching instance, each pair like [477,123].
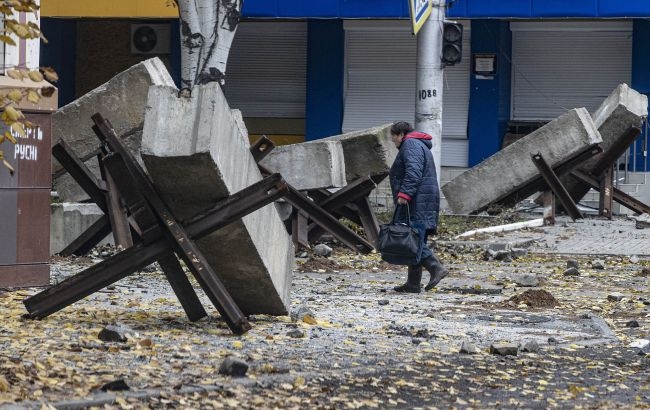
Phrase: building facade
[303,70]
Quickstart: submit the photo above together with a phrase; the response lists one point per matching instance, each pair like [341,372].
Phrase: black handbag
[399,243]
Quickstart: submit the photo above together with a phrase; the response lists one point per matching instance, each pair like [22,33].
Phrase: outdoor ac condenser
[150,38]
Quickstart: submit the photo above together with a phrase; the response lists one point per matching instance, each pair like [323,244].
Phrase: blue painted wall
[459,8]
[325,8]
[325,59]
[489,101]
[641,76]
[59,53]
[549,8]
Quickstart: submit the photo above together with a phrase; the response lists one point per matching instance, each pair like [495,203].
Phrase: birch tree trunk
[207,30]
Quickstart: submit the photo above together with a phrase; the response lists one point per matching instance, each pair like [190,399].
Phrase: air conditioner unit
[150,38]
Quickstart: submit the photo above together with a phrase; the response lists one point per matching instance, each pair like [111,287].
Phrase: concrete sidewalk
[589,236]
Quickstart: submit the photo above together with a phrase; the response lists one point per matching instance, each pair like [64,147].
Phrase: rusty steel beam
[300,229]
[80,173]
[117,214]
[606,198]
[89,238]
[184,246]
[324,219]
[619,196]
[137,257]
[368,220]
[553,182]
[182,287]
[148,223]
[549,208]
[538,184]
[262,147]
[618,148]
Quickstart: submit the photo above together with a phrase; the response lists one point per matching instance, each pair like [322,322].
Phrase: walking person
[414,182]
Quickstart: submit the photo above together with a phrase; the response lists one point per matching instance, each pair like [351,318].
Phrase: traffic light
[452,43]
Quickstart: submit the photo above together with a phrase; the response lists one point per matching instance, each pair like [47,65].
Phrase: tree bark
[207,30]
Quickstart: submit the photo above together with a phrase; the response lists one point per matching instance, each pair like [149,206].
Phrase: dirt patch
[535,298]
[319,264]
[645,272]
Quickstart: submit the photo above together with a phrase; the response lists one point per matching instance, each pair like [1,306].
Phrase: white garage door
[266,75]
[560,66]
[380,83]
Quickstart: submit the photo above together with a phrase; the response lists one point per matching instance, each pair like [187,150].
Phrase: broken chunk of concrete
[504,349]
[122,100]
[511,169]
[196,155]
[233,367]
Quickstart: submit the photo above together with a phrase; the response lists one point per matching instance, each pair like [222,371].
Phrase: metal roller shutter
[564,65]
[380,83]
[267,69]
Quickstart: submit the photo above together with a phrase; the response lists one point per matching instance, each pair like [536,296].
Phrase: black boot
[437,271]
[412,284]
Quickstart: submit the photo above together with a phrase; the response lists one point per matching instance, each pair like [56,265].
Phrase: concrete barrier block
[622,109]
[122,100]
[511,168]
[69,220]
[196,154]
[366,152]
[311,165]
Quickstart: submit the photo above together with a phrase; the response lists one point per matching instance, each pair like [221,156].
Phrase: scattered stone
[296,334]
[113,333]
[468,348]
[322,250]
[632,323]
[615,297]
[640,343]
[530,346]
[571,272]
[535,298]
[572,263]
[383,302]
[504,256]
[299,313]
[233,367]
[598,264]
[552,341]
[642,221]
[417,340]
[518,252]
[634,259]
[504,349]
[527,281]
[302,255]
[115,385]
[645,272]
[645,351]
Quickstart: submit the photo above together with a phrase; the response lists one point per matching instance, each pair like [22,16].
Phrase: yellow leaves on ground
[4,384]
[309,319]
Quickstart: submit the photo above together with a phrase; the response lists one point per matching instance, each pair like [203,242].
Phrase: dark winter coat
[413,177]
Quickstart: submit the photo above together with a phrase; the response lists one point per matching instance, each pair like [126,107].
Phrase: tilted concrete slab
[195,154]
[310,165]
[366,152]
[623,108]
[122,100]
[511,168]
[335,161]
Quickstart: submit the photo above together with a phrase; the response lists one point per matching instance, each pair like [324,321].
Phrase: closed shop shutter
[267,69]
[380,83]
[563,65]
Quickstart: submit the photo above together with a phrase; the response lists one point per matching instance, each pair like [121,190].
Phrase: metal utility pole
[429,79]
